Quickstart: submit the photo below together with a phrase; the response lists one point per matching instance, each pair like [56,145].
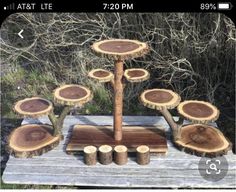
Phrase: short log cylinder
[120,154]
[143,155]
[90,155]
[105,154]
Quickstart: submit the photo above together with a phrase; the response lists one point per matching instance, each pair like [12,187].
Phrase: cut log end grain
[203,140]
[32,140]
[136,75]
[120,154]
[101,75]
[160,99]
[33,107]
[90,155]
[198,111]
[105,154]
[72,95]
[120,49]
[143,155]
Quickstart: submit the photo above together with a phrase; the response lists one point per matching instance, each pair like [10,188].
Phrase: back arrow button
[20,34]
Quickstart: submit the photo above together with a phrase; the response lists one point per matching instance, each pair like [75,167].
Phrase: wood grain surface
[177,169]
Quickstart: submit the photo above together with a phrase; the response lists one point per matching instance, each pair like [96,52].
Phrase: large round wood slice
[120,49]
[72,95]
[30,140]
[198,111]
[203,140]
[136,75]
[33,107]
[101,75]
[160,99]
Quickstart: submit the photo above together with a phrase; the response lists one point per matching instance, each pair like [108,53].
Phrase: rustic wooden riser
[133,136]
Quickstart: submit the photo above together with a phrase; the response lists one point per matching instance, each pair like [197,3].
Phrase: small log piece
[105,154]
[143,155]
[120,154]
[90,155]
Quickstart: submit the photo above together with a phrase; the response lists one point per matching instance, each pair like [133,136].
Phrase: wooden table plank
[176,169]
[105,181]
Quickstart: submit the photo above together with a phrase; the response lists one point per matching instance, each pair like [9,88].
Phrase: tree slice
[160,99]
[136,75]
[120,49]
[203,140]
[31,140]
[72,95]
[198,111]
[33,107]
[101,75]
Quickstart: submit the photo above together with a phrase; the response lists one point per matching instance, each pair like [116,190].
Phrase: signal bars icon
[9,7]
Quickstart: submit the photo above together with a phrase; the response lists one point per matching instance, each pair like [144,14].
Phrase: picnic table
[176,169]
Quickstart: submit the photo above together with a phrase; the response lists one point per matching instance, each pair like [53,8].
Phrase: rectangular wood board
[133,136]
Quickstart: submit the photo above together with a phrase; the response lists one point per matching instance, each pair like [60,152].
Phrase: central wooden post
[118,100]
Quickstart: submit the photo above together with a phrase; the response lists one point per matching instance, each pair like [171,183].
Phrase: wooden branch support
[90,155]
[143,155]
[118,100]
[119,50]
[57,122]
[120,154]
[176,128]
[105,154]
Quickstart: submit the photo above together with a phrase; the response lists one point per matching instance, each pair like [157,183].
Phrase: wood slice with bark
[198,111]
[101,75]
[105,154]
[203,140]
[90,155]
[136,75]
[120,49]
[120,154]
[143,155]
[160,99]
[32,140]
[33,107]
[72,95]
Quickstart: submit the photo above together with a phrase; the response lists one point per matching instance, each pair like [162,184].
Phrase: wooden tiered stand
[34,139]
[197,138]
[131,136]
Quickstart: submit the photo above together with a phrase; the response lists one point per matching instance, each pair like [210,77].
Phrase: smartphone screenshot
[118,95]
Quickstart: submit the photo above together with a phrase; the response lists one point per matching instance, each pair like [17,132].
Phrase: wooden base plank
[133,136]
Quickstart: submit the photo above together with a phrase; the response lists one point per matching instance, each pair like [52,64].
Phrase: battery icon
[224,6]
